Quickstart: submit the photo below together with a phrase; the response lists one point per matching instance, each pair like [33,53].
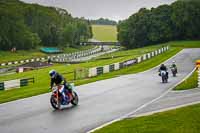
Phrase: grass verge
[182,120]
[190,83]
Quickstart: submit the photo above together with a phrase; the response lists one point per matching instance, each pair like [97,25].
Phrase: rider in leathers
[163,68]
[174,66]
[58,79]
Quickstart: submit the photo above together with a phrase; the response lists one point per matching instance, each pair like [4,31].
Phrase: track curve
[100,102]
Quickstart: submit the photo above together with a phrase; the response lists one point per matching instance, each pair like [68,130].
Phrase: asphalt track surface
[100,102]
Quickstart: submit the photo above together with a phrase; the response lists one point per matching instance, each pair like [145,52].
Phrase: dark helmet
[52,73]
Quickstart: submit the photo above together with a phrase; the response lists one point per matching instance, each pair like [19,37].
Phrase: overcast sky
[94,9]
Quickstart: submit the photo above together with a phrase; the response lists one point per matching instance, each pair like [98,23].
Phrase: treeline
[179,21]
[25,26]
[103,21]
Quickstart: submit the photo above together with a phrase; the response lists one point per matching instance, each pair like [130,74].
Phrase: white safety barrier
[92,72]
[9,63]
[3,64]
[152,54]
[12,84]
[159,51]
[106,69]
[156,52]
[149,55]
[139,59]
[144,57]
[116,66]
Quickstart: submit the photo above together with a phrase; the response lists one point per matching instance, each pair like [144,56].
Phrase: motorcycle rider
[58,79]
[163,68]
[174,66]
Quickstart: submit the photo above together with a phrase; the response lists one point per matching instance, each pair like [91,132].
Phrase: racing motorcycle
[164,76]
[174,71]
[57,100]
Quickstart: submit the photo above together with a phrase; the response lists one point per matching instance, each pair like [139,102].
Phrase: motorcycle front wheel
[54,103]
[75,99]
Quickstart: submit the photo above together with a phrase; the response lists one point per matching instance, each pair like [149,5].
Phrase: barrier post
[198,69]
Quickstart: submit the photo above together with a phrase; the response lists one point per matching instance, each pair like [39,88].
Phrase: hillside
[178,21]
[25,26]
[104,33]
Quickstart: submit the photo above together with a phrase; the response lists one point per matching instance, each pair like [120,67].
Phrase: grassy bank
[190,83]
[104,33]
[183,120]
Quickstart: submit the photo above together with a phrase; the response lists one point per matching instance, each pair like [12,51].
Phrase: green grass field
[183,120]
[190,83]
[105,33]
[42,79]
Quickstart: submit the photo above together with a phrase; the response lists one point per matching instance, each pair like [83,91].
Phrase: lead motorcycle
[57,100]
[164,76]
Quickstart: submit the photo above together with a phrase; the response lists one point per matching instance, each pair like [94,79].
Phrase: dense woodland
[25,26]
[103,21]
[178,21]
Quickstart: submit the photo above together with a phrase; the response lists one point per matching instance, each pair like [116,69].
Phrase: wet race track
[100,102]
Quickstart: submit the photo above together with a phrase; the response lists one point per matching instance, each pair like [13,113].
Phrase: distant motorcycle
[174,71]
[57,100]
[164,76]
